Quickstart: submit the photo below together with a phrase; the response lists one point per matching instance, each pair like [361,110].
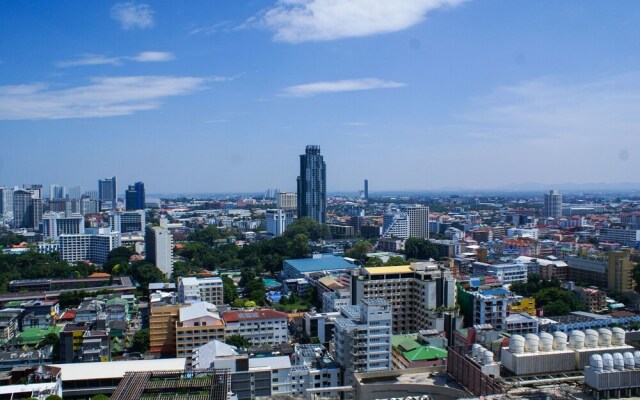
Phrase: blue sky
[221,96]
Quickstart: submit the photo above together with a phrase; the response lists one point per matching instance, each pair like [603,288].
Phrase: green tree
[374,262]
[238,341]
[141,341]
[53,397]
[421,249]
[395,260]
[229,290]
[300,246]
[308,227]
[145,272]
[256,291]
[100,397]
[239,303]
[359,250]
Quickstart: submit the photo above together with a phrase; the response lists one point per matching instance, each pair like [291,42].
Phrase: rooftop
[235,316]
[400,269]
[116,369]
[325,262]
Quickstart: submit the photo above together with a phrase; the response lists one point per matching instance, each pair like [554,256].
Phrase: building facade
[312,185]
[159,247]
[278,220]
[260,327]
[56,224]
[93,246]
[287,201]
[192,290]
[553,204]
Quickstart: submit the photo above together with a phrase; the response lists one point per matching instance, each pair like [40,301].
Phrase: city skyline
[199,97]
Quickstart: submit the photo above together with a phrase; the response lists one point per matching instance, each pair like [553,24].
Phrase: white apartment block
[415,293]
[418,221]
[278,220]
[491,307]
[287,201]
[506,273]
[93,246]
[362,338]
[260,326]
[55,224]
[627,237]
[412,222]
[192,290]
[531,233]
[159,247]
[395,225]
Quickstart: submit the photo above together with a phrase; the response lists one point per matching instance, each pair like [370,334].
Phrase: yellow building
[620,271]
[527,305]
[162,329]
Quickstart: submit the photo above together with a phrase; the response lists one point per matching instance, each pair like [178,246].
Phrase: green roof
[425,353]
[32,336]
[405,342]
[13,304]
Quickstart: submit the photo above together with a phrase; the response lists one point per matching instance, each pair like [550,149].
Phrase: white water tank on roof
[595,361]
[516,344]
[607,362]
[618,361]
[546,342]
[605,337]
[636,356]
[531,343]
[629,360]
[487,357]
[476,351]
[559,340]
[591,338]
[618,336]
[576,340]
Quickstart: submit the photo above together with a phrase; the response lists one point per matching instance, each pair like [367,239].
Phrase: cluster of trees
[32,265]
[142,272]
[415,249]
[549,295]
[206,248]
[140,342]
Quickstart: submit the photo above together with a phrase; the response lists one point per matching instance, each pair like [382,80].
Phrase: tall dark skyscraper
[108,191]
[366,189]
[135,198]
[312,185]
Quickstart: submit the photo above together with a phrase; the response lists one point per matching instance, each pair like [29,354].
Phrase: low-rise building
[198,324]
[260,326]
[193,290]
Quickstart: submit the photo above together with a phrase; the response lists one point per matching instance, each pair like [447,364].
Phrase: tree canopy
[421,249]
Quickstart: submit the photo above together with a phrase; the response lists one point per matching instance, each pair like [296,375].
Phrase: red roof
[235,316]
[69,315]
[99,275]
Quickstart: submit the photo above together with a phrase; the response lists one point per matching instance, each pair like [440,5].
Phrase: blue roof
[325,263]
[493,292]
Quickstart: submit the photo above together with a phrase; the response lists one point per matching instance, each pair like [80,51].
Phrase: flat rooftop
[116,369]
[400,269]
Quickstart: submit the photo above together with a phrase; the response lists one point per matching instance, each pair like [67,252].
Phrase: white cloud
[298,21]
[347,85]
[131,15]
[153,56]
[97,59]
[221,26]
[103,97]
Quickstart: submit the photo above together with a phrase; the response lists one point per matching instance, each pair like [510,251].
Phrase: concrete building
[623,235]
[127,221]
[312,185]
[320,325]
[612,271]
[418,217]
[162,328]
[278,220]
[506,273]
[94,245]
[287,201]
[552,204]
[56,224]
[395,225]
[135,197]
[108,192]
[491,306]
[193,290]
[414,292]
[159,247]
[594,300]
[6,201]
[521,324]
[362,338]
[198,324]
[22,209]
[531,233]
[260,327]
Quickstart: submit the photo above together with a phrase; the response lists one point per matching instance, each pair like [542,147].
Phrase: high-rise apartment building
[312,185]
[22,209]
[278,221]
[159,247]
[553,204]
[287,201]
[37,209]
[57,192]
[94,245]
[107,191]
[35,190]
[418,217]
[411,222]
[135,197]
[127,221]
[6,201]
[55,224]
[415,292]
[74,193]
[362,338]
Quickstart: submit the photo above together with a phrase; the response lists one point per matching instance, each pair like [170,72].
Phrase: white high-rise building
[412,222]
[553,204]
[57,192]
[362,338]
[395,225]
[55,224]
[418,217]
[278,221]
[93,246]
[159,247]
[127,221]
[74,192]
[6,201]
